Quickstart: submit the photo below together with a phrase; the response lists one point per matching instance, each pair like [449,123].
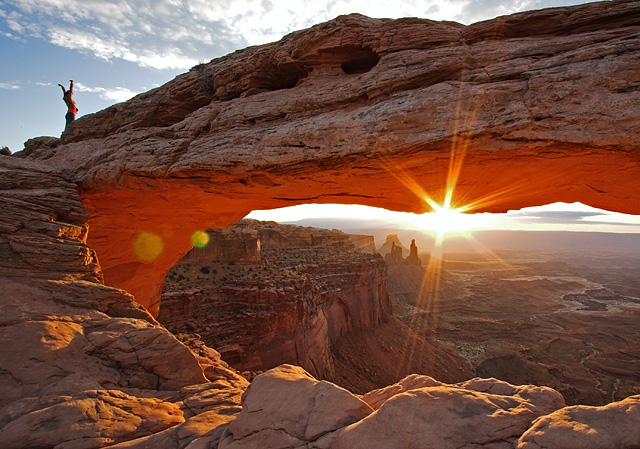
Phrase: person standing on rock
[67,97]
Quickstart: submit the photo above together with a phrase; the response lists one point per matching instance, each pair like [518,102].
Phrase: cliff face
[83,364]
[234,244]
[308,287]
[367,111]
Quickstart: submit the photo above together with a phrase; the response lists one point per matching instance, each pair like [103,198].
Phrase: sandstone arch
[518,111]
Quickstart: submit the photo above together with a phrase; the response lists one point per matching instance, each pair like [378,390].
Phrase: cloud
[177,34]
[569,215]
[477,10]
[162,34]
[559,216]
[117,94]
[10,86]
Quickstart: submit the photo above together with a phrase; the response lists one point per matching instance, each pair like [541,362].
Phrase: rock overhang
[521,110]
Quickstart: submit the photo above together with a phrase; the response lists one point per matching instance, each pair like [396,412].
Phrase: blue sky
[115,49]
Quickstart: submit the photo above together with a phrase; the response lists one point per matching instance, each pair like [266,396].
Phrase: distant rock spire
[413,258]
[394,257]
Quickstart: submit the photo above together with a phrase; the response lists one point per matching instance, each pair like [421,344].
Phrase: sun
[444,220]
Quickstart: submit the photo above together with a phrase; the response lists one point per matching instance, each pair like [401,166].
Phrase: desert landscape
[408,114]
[562,319]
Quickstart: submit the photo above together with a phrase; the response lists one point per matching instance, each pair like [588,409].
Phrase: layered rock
[311,287]
[547,102]
[233,244]
[83,365]
[368,111]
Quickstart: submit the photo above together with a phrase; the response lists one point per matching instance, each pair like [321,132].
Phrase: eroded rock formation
[395,251]
[392,241]
[83,364]
[348,111]
[284,297]
[368,111]
[418,412]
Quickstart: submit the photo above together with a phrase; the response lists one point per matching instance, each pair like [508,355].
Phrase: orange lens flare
[148,246]
[200,239]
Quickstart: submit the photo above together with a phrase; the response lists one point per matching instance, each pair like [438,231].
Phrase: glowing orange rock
[518,111]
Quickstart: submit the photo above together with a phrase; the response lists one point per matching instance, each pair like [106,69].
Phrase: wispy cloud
[575,214]
[117,94]
[10,86]
[153,33]
[476,10]
[557,217]
[179,33]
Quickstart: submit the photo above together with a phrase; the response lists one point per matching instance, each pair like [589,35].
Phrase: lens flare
[148,246]
[199,239]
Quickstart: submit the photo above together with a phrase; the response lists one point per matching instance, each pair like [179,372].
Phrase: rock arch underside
[521,110]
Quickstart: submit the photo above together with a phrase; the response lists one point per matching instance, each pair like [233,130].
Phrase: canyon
[283,295]
[265,294]
[561,318]
[521,110]
[564,319]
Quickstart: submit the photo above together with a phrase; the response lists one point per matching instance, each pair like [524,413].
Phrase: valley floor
[564,320]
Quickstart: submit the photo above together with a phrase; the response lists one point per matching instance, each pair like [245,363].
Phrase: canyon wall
[83,364]
[307,288]
[517,111]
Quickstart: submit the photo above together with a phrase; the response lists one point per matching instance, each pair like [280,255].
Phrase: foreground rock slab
[581,427]
[286,408]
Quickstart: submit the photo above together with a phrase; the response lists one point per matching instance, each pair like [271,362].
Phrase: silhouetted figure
[67,96]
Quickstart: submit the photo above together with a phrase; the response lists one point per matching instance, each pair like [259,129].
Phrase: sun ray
[449,207]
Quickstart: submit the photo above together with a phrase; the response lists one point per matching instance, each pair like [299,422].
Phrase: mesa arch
[522,110]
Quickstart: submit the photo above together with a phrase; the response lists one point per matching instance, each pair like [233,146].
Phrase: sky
[552,217]
[115,49]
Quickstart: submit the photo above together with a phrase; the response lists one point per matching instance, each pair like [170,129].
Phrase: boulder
[439,417]
[287,407]
[616,425]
